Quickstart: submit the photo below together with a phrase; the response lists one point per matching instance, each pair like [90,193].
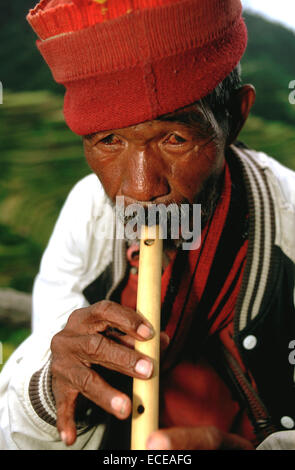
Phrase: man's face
[160,161]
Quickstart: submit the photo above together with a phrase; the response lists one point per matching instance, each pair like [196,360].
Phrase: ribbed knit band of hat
[123,62]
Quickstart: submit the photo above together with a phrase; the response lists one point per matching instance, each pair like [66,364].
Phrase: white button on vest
[250,342]
[287,422]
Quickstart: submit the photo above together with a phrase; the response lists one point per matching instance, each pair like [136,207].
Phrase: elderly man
[154,88]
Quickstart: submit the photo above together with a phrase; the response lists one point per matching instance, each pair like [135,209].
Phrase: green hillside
[268,63]
[21,66]
[40,161]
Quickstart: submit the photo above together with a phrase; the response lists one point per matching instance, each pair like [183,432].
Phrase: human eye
[110,139]
[175,139]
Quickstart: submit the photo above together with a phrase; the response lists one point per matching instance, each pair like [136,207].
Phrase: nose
[144,177]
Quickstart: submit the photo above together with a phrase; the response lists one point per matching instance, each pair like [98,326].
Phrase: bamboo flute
[145,410]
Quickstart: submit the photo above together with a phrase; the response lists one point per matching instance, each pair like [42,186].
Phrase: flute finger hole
[140,409]
[149,242]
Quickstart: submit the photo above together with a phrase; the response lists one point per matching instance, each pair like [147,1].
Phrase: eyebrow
[181,118]
[192,119]
[187,118]
[89,136]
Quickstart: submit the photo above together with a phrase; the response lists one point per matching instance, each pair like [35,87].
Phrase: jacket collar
[261,268]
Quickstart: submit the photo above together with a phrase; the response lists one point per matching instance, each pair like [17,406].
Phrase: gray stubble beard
[196,216]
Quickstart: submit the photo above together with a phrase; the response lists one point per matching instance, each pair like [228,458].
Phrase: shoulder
[84,211]
[77,250]
[87,193]
[280,177]
[88,184]
[280,174]
[85,204]
[273,186]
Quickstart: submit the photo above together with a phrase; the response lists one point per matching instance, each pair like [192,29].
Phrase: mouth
[165,201]
[175,219]
[148,212]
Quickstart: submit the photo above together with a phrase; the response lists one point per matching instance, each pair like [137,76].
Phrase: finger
[128,341]
[97,349]
[107,314]
[195,438]
[120,338]
[164,341]
[65,406]
[96,389]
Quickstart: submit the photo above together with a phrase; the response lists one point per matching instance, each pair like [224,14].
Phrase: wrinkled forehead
[197,116]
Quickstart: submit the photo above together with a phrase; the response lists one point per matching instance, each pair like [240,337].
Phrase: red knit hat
[128,61]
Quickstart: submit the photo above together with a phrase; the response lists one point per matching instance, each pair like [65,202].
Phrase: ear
[240,105]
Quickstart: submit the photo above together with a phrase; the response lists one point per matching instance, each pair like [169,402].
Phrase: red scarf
[195,266]
[194,279]
[187,319]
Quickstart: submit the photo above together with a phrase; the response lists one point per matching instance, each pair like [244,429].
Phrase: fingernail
[158,442]
[119,404]
[144,367]
[63,437]
[167,337]
[145,331]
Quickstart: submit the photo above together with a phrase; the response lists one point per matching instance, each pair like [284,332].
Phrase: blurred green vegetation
[276,138]
[21,66]
[269,64]
[40,159]
[11,338]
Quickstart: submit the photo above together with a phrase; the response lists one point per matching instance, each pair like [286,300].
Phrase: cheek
[190,174]
[107,170]
[110,179]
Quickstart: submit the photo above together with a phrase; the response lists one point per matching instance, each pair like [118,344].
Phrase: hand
[92,336]
[196,438]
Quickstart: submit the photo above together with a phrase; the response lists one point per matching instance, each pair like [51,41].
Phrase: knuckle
[129,358]
[122,357]
[56,342]
[73,318]
[82,381]
[57,369]
[102,308]
[60,343]
[125,317]
[95,345]
[54,369]
[94,316]
[60,355]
